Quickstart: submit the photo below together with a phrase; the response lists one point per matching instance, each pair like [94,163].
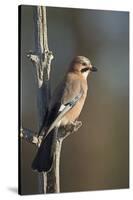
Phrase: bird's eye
[84,64]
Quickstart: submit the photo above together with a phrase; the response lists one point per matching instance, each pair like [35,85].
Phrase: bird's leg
[76,125]
[73,126]
[64,131]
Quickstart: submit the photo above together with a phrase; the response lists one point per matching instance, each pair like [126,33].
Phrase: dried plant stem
[47,182]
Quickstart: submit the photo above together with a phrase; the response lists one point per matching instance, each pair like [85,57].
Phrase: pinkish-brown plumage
[73,86]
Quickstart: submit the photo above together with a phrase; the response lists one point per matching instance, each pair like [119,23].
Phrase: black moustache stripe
[84,69]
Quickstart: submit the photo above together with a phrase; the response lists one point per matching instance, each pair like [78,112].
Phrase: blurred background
[97,156]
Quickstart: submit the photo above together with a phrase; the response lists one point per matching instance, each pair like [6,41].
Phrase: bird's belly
[73,113]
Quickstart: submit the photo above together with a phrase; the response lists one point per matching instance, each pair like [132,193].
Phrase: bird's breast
[74,112]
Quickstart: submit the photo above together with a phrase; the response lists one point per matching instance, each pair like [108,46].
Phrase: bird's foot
[77,125]
[74,126]
[63,132]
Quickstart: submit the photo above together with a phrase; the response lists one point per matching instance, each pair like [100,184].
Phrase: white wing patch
[62,107]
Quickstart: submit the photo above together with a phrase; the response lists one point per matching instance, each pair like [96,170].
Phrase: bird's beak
[93,69]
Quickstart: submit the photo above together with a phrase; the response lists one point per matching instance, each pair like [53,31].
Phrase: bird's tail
[44,157]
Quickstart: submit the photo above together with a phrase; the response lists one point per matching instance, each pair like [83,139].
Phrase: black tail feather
[44,158]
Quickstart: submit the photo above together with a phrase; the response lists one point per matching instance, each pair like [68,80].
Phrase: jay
[64,108]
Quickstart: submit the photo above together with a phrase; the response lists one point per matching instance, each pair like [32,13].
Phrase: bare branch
[53,175]
[30,136]
[48,182]
[43,58]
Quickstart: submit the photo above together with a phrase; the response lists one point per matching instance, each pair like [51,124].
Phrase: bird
[64,108]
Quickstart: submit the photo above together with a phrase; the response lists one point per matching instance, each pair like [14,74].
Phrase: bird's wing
[53,109]
[73,88]
[71,94]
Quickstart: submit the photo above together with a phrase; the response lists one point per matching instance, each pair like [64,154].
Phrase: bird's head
[82,65]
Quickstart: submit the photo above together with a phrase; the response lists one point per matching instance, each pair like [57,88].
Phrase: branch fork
[43,65]
[62,133]
[49,182]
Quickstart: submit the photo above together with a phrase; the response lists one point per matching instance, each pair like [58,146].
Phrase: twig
[53,176]
[42,60]
[48,182]
[30,136]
